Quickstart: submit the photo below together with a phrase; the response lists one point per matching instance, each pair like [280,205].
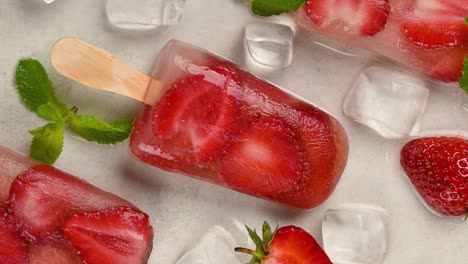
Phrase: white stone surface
[181,208]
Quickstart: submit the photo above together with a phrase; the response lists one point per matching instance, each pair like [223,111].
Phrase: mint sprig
[37,94]
[275,7]
[463,82]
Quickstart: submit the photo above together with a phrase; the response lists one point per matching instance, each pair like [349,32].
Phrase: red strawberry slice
[199,111]
[360,17]
[438,169]
[53,254]
[437,24]
[265,161]
[42,197]
[117,235]
[165,154]
[287,245]
[13,249]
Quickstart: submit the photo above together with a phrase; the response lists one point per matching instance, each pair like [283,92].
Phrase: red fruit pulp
[224,102]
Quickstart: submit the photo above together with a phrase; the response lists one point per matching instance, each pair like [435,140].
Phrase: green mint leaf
[463,82]
[275,7]
[49,112]
[96,130]
[34,86]
[47,143]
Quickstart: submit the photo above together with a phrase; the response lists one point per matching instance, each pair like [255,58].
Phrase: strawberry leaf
[256,239]
[268,243]
[275,7]
[47,143]
[266,235]
[261,246]
[95,130]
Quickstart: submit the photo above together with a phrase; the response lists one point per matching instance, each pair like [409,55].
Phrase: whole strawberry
[287,245]
[438,169]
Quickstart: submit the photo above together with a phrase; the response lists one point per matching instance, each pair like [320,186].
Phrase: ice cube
[270,43]
[389,100]
[217,246]
[144,14]
[355,233]
[49,1]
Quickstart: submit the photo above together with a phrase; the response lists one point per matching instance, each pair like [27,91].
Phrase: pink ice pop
[207,118]
[49,216]
[220,123]
[430,36]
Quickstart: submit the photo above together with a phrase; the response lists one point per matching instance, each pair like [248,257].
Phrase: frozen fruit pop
[207,118]
[49,216]
[430,36]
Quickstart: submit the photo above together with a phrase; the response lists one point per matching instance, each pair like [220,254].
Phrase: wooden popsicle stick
[99,69]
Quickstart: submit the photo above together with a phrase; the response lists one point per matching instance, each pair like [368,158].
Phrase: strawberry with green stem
[285,245]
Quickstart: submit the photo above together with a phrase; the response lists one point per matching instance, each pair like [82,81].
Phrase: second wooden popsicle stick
[100,69]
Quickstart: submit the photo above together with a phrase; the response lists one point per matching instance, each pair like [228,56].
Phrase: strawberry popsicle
[49,216]
[207,118]
[430,36]
[219,123]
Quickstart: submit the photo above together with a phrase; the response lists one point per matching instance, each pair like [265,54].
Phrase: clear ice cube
[270,44]
[388,100]
[217,246]
[355,234]
[144,14]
